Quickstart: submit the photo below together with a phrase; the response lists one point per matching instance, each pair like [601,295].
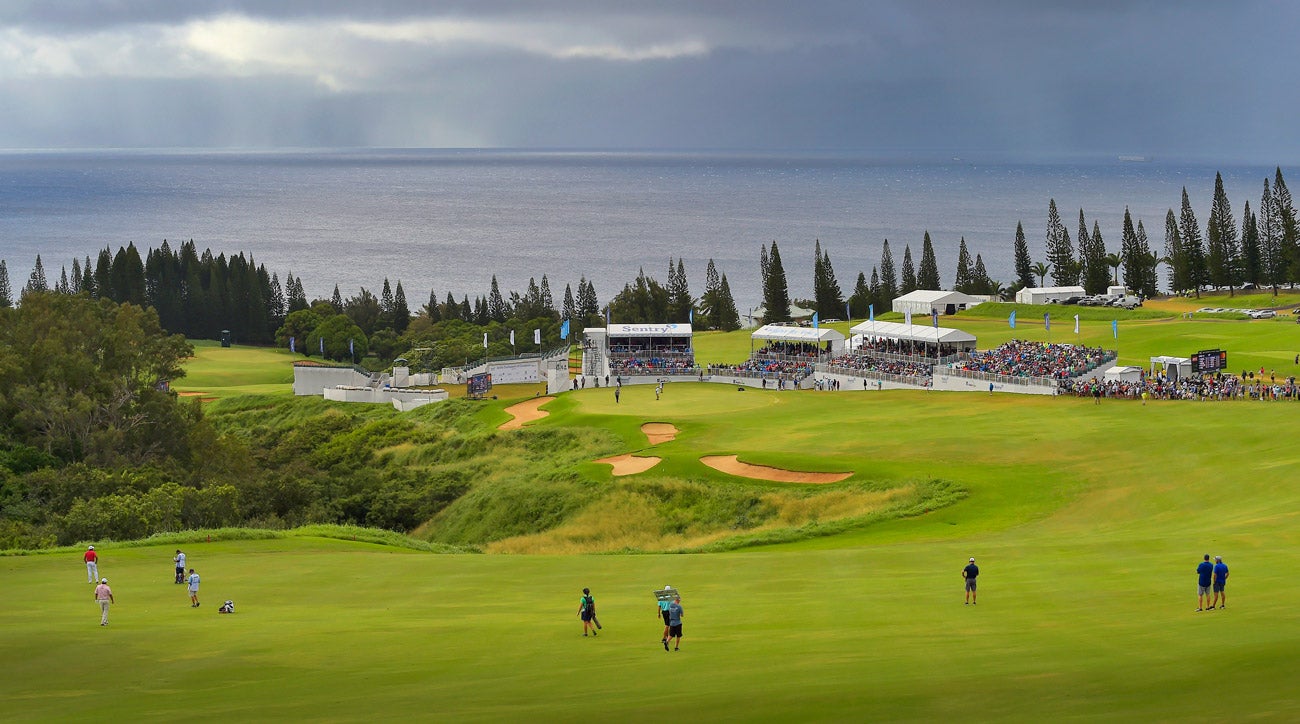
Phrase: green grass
[1087,520]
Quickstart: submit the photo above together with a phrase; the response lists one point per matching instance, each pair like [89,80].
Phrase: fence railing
[874,375]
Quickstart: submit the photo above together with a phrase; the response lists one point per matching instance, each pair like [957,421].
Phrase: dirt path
[731,465]
[525,412]
[657,432]
[630,464]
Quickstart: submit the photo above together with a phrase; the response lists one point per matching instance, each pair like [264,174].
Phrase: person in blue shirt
[1203,574]
[675,614]
[1220,582]
[663,606]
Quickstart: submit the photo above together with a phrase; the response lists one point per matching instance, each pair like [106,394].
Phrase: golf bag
[227,607]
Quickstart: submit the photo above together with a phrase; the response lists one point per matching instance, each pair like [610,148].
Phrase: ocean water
[446,220]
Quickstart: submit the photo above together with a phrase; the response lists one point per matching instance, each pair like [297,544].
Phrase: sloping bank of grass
[355,533]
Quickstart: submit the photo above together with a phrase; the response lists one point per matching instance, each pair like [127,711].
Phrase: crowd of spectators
[765,368]
[1218,386]
[906,348]
[868,363]
[674,365]
[1019,358]
[789,350]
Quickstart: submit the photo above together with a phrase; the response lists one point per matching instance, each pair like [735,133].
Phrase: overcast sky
[1191,79]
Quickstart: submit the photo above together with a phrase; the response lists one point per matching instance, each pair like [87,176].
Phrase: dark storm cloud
[1026,78]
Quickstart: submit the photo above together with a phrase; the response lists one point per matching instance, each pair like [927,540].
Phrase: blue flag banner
[1114,328]
[291,346]
[692,315]
[934,315]
[1012,319]
[606,316]
[1047,321]
[815,323]
[564,329]
[871,312]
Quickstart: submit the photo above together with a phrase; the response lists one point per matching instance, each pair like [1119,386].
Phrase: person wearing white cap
[103,595]
[92,565]
[970,573]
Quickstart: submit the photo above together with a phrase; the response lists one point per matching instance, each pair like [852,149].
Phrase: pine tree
[401,311]
[1131,254]
[1193,247]
[497,310]
[36,282]
[1096,274]
[964,281]
[1290,229]
[453,310]
[1060,253]
[827,296]
[710,302]
[588,302]
[980,277]
[680,302]
[6,291]
[87,278]
[432,309]
[927,277]
[278,303]
[909,272]
[548,301]
[730,316]
[1148,286]
[77,276]
[336,299]
[104,275]
[1222,244]
[1251,266]
[1176,254]
[385,306]
[860,301]
[1024,265]
[888,274]
[570,309]
[873,288]
[777,299]
[1272,263]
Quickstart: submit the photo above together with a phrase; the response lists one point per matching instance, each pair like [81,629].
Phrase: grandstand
[785,357]
[639,353]
[1021,366]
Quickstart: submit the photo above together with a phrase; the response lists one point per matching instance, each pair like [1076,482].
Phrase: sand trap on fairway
[630,464]
[525,412]
[731,465]
[657,432]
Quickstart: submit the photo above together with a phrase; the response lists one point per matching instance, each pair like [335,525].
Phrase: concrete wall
[954,383]
[311,380]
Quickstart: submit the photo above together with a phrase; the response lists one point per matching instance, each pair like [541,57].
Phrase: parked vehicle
[1261,313]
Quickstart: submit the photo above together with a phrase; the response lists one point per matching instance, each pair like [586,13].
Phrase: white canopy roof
[931,296]
[808,335]
[649,330]
[913,333]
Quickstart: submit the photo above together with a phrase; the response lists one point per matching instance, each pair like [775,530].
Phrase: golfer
[1220,582]
[180,566]
[675,614]
[92,564]
[970,573]
[104,595]
[194,589]
[663,605]
[1204,572]
[587,612]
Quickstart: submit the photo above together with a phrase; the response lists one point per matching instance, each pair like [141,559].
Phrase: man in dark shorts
[587,612]
[970,573]
[1204,572]
[663,603]
[1220,582]
[675,614]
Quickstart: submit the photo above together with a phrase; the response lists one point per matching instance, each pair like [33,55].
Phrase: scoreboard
[1209,360]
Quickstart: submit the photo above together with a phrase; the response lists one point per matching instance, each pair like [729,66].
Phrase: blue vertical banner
[871,312]
[1047,321]
[816,325]
[607,316]
[1114,328]
[564,330]
[1012,319]
[692,319]
[291,346]
[934,315]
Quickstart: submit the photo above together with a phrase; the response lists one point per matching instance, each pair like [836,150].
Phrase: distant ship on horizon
[1134,159]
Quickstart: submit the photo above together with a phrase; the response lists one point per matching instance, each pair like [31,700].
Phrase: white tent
[921,333]
[1175,368]
[822,337]
[1123,374]
[1045,295]
[924,302]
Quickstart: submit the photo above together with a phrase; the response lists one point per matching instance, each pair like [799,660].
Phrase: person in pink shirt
[104,596]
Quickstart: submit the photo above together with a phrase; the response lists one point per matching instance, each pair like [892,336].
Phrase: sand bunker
[657,432]
[525,412]
[731,465]
[630,464]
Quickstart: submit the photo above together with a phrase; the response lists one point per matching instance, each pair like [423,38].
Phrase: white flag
[909,318]
[1076,324]
[485,340]
[512,338]
[537,336]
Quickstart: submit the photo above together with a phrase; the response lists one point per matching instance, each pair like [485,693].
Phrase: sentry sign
[649,330]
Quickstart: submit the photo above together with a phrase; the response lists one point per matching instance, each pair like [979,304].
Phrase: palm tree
[1114,261]
[1041,270]
[996,289]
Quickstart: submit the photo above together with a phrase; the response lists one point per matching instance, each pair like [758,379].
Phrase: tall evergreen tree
[1131,254]
[980,277]
[927,277]
[1060,253]
[432,309]
[777,299]
[1096,272]
[1193,246]
[451,309]
[1290,228]
[104,275]
[1176,254]
[860,301]
[6,291]
[385,306]
[1251,265]
[827,296]
[1272,261]
[873,288]
[278,303]
[888,274]
[88,278]
[497,310]
[77,275]
[336,299]
[1149,285]
[548,300]
[680,302]
[964,281]
[588,302]
[763,265]
[401,310]
[710,302]
[730,317]
[1222,244]
[909,271]
[37,282]
[570,310]
[1024,265]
